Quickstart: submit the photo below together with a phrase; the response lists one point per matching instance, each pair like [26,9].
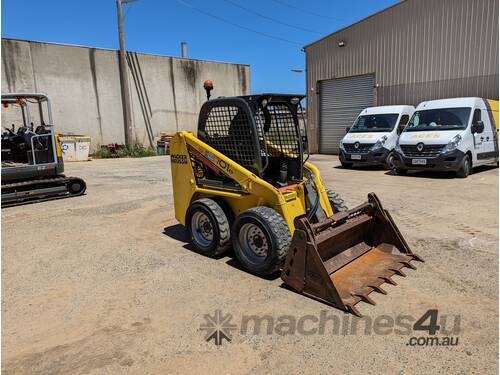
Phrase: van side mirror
[400,128]
[478,127]
[347,129]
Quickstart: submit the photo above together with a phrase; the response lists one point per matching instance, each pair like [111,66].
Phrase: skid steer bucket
[344,258]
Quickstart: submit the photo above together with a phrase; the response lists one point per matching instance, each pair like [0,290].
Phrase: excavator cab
[32,163]
[24,142]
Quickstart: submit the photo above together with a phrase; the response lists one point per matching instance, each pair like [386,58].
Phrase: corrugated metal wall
[417,49]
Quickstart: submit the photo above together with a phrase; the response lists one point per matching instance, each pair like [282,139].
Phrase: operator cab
[26,141]
[264,133]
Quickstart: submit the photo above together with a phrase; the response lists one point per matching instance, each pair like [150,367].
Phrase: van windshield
[374,123]
[439,119]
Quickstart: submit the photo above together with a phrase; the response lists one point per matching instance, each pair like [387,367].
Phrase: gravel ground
[105,283]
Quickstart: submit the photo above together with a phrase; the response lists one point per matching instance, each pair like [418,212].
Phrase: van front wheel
[465,167]
[346,165]
[390,161]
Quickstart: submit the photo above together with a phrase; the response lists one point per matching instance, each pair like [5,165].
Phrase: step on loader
[245,181]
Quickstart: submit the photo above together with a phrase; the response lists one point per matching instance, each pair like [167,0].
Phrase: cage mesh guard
[227,130]
[281,135]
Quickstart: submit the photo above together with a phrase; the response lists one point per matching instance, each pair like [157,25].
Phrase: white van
[450,135]
[372,137]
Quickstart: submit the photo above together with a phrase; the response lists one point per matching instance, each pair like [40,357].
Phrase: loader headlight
[453,144]
[380,143]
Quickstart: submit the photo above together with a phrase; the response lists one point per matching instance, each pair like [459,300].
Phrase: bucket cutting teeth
[398,272]
[343,259]
[409,265]
[378,289]
[353,310]
[366,299]
[388,280]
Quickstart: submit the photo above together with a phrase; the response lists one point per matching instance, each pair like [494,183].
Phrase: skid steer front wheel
[261,240]
[208,227]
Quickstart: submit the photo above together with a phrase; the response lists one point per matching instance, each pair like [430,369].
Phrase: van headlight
[380,143]
[341,146]
[453,144]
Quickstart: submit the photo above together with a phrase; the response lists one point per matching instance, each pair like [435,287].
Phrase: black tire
[336,202]
[390,161]
[260,240]
[401,172]
[346,165]
[465,167]
[227,210]
[208,227]
[76,186]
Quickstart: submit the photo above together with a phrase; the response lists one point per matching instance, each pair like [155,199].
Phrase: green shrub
[102,153]
[136,151]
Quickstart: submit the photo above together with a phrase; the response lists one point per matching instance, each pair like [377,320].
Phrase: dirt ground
[105,283]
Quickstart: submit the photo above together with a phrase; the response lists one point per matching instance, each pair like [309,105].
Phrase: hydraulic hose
[315,206]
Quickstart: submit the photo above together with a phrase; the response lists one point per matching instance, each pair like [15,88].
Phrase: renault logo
[420,147]
[356,145]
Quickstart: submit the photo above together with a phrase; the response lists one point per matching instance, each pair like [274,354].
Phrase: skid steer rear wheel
[261,240]
[336,202]
[208,227]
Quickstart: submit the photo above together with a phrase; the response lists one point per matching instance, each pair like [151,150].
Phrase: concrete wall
[417,49]
[84,86]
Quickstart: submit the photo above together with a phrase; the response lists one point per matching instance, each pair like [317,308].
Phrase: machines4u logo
[430,329]
[218,327]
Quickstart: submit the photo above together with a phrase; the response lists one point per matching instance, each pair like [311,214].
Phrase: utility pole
[127,112]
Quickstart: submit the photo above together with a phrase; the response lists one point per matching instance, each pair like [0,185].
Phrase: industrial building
[413,51]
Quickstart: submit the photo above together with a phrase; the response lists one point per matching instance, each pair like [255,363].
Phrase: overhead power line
[127,11]
[272,19]
[190,6]
[307,11]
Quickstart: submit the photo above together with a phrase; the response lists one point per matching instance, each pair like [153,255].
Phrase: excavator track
[31,191]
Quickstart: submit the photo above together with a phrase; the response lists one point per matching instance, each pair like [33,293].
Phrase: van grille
[363,148]
[428,151]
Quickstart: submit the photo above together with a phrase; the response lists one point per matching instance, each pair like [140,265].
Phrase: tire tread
[222,222]
[277,225]
[336,202]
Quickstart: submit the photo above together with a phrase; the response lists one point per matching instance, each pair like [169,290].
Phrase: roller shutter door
[341,101]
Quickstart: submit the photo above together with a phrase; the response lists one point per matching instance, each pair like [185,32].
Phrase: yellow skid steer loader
[245,181]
